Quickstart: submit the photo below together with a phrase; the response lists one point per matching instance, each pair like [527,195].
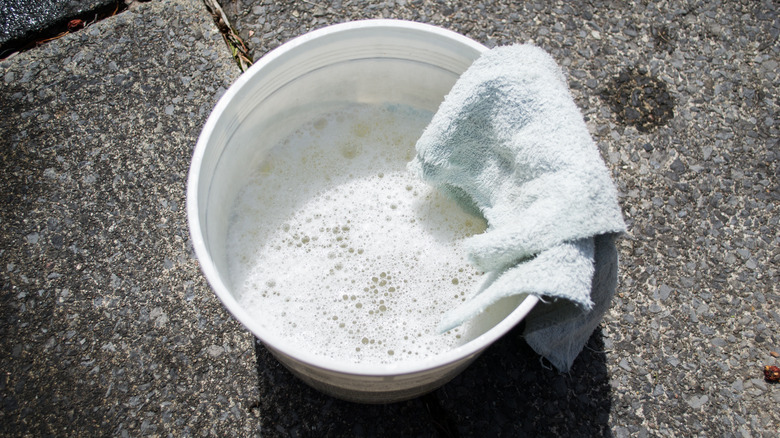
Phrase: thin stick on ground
[237,47]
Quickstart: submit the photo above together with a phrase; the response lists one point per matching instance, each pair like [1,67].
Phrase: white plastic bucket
[372,61]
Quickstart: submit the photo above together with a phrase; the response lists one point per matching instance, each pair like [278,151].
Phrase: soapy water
[338,247]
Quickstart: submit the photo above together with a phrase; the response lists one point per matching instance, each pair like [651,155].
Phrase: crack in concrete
[63,25]
[234,42]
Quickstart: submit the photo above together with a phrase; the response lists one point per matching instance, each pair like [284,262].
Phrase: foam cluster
[334,244]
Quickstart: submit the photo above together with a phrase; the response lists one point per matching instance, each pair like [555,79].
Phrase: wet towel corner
[509,143]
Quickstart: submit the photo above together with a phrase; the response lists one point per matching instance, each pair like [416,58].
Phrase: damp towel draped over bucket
[509,143]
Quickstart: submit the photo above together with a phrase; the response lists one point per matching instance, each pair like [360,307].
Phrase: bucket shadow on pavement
[507,391]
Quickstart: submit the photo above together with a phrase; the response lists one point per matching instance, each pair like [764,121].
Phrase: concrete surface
[110,328]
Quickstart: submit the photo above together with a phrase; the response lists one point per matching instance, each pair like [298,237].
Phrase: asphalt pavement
[109,328]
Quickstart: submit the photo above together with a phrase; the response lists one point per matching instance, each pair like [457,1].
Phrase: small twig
[598,351]
[46,40]
[314,4]
[237,47]
[541,362]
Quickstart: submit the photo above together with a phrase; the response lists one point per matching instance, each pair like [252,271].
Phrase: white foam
[351,257]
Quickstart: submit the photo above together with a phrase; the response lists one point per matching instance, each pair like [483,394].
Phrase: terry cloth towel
[509,143]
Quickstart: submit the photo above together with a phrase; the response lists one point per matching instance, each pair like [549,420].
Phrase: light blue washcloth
[509,143]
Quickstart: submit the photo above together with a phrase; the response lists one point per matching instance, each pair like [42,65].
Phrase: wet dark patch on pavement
[639,100]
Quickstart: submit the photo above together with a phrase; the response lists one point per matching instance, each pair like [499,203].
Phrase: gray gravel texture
[108,327]
[681,351]
[21,19]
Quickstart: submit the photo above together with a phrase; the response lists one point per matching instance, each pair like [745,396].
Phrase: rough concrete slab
[682,350]
[23,19]
[108,327]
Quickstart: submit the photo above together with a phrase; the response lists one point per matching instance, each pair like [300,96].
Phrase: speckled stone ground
[108,326]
